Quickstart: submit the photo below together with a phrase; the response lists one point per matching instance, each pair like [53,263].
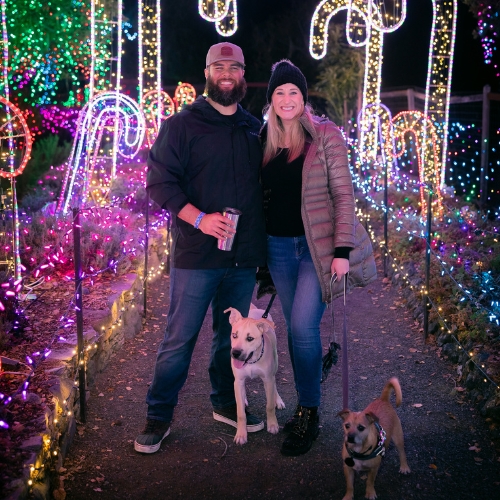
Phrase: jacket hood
[200,105]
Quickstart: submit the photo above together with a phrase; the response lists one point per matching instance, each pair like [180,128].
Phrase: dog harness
[379,450]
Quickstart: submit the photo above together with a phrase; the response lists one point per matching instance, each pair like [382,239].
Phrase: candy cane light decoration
[87,169]
[223,13]
[426,140]
[441,51]
[155,103]
[156,106]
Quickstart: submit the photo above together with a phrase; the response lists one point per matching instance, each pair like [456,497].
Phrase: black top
[211,161]
[282,184]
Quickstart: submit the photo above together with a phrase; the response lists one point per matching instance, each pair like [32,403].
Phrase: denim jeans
[191,292]
[297,284]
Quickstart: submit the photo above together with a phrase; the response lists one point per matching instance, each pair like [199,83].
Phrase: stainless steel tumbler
[232,214]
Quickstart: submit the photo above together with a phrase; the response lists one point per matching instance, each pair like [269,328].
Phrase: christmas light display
[423,129]
[439,73]
[184,94]
[213,10]
[15,140]
[368,20]
[106,23]
[156,108]
[150,53]
[111,118]
[488,25]
[49,50]
[15,149]
[221,12]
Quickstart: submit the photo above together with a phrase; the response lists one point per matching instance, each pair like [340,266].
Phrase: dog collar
[261,353]
[379,450]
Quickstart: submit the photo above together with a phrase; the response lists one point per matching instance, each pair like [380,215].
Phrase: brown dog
[367,435]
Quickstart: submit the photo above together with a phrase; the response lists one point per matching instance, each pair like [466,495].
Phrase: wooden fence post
[80,357]
[427,263]
[485,146]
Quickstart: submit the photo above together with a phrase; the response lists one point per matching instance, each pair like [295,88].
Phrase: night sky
[270,30]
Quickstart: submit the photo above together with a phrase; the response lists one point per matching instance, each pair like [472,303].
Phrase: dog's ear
[264,325]
[371,417]
[235,315]
[343,414]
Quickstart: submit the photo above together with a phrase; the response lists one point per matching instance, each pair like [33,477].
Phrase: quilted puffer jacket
[326,199]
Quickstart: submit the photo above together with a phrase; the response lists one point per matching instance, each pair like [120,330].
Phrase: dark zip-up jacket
[211,161]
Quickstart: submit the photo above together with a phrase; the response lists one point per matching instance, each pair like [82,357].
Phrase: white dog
[254,354]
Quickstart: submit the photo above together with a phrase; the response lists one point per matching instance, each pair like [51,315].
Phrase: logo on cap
[226,51]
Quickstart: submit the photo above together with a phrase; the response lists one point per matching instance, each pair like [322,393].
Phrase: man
[205,158]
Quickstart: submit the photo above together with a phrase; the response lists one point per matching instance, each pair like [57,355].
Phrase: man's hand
[217,225]
[340,267]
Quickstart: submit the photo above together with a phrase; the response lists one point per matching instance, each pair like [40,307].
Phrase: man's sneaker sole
[250,428]
[153,448]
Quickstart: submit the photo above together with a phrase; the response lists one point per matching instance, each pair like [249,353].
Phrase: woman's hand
[340,267]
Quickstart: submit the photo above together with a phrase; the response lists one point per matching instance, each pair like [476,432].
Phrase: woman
[310,218]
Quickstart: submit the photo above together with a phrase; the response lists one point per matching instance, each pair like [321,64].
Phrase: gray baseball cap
[225,51]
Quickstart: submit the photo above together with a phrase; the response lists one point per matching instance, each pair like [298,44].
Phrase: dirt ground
[448,445]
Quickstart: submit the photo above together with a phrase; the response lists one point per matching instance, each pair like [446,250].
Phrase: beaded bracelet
[198,220]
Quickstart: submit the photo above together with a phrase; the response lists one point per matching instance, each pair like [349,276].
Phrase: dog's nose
[235,353]
[350,438]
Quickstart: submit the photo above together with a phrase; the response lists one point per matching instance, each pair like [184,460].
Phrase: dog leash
[331,357]
[268,308]
[345,361]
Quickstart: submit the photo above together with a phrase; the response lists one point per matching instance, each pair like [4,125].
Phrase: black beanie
[283,72]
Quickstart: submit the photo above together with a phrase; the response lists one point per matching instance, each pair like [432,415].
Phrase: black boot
[293,420]
[305,431]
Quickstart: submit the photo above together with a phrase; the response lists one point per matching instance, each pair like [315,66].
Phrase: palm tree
[341,77]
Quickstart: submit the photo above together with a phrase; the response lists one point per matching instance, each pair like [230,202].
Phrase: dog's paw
[279,403]
[404,470]
[273,428]
[240,439]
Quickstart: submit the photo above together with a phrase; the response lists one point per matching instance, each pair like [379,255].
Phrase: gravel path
[447,443]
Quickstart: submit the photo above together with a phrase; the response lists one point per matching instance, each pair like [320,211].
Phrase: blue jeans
[191,292]
[297,284]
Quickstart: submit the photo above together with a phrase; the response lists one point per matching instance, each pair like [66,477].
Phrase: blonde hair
[276,134]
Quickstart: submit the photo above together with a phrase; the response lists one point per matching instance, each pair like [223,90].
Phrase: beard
[226,97]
